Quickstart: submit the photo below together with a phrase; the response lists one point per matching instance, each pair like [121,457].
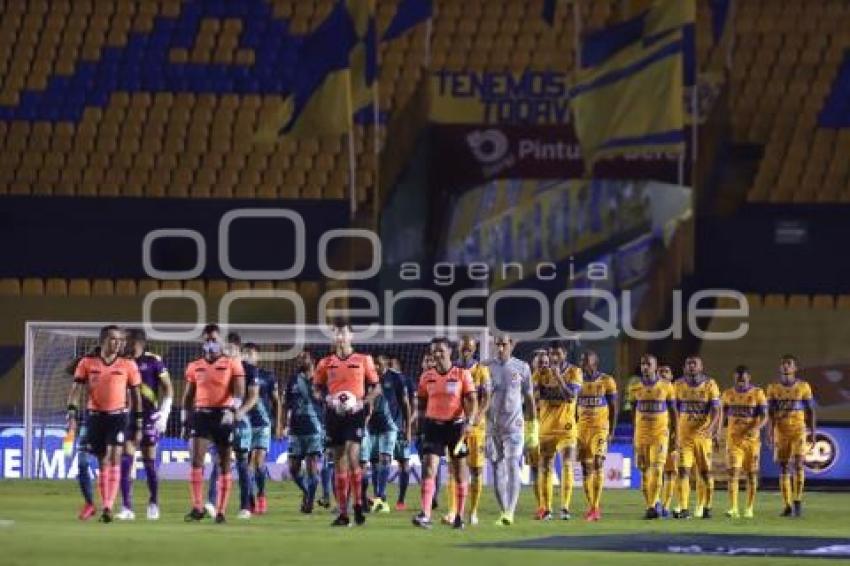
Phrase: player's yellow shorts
[475,442]
[695,451]
[552,444]
[651,452]
[743,453]
[671,463]
[789,445]
[592,443]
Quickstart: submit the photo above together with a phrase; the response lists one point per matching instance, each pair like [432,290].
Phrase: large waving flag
[409,13]
[320,100]
[632,102]
[630,96]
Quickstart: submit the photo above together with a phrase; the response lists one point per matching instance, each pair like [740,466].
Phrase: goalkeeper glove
[160,417]
[532,433]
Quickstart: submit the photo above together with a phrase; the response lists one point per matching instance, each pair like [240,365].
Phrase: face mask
[212,347]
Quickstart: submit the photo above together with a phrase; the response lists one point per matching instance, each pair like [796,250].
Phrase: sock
[708,491]
[700,491]
[341,491]
[153,481]
[403,482]
[212,492]
[376,479]
[476,488]
[733,492]
[462,490]
[196,486]
[514,485]
[364,487]
[101,486]
[598,484]
[568,480]
[451,495]
[587,484]
[126,480]
[298,478]
[260,479]
[113,482]
[84,477]
[547,488]
[243,473]
[684,485]
[667,490]
[646,488]
[429,488]
[752,486]
[785,488]
[799,484]
[357,491]
[312,485]
[325,474]
[438,480]
[383,480]
[537,484]
[655,485]
[225,483]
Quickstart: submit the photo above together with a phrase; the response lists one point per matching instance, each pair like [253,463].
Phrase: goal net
[52,346]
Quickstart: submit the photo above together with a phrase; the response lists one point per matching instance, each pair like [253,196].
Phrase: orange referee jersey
[107,383]
[444,392]
[214,381]
[351,373]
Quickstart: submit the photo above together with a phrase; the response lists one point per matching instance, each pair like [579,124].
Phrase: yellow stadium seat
[103,287]
[32,286]
[774,301]
[823,302]
[79,287]
[125,287]
[798,302]
[146,286]
[56,287]
[10,287]
[217,288]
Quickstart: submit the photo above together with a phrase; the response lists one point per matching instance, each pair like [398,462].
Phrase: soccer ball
[344,402]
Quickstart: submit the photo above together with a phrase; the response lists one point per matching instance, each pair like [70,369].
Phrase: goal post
[51,346]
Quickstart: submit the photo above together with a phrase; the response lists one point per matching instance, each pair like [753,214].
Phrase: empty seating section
[152,140]
[815,329]
[785,60]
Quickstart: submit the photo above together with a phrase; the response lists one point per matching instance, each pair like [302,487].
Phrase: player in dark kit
[260,417]
[156,381]
[215,388]
[347,381]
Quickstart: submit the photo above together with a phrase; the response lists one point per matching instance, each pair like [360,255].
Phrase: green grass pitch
[38,525]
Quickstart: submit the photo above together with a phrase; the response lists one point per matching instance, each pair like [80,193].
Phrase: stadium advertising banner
[173,459]
[499,125]
[827,460]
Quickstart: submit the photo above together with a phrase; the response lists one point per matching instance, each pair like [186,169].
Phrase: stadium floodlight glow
[331,273]
[201,251]
[299,241]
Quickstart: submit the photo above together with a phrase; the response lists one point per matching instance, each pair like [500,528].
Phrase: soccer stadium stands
[786,62]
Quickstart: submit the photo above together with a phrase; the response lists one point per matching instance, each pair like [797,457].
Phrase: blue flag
[408,14]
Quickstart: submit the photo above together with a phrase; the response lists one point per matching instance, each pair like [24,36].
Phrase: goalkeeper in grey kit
[511,424]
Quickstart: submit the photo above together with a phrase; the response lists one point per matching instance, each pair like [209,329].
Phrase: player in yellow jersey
[791,411]
[556,386]
[698,405]
[671,471]
[654,415]
[597,417]
[475,440]
[532,454]
[744,413]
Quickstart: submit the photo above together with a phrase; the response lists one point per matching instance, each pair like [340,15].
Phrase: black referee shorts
[206,423]
[104,430]
[440,438]
[340,429]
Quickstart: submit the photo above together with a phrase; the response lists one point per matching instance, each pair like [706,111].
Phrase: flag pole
[352,173]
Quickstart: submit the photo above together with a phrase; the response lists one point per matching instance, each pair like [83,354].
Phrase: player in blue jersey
[83,458]
[157,394]
[390,421]
[260,417]
[403,443]
[303,417]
